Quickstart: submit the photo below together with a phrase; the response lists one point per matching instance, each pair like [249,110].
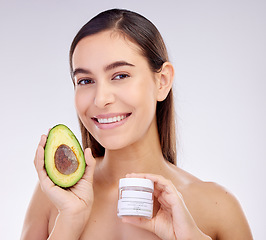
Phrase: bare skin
[212,209]
[185,207]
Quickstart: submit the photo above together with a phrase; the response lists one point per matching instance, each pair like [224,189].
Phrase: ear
[165,80]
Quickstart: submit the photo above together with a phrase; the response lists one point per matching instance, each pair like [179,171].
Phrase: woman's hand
[173,220]
[76,202]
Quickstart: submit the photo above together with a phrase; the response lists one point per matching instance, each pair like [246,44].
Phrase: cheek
[146,93]
[81,101]
[142,98]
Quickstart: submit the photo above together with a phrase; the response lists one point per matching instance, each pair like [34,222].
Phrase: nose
[104,95]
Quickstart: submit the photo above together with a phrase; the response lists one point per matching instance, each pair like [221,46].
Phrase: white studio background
[218,50]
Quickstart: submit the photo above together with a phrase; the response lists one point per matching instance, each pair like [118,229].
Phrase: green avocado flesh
[63,157]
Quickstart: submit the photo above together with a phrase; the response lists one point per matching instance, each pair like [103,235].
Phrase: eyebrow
[106,68]
[117,64]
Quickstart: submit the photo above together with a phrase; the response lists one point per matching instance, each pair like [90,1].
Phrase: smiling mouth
[112,119]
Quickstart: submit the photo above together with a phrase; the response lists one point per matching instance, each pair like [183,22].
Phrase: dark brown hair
[142,32]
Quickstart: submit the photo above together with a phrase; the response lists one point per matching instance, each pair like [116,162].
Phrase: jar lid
[136,182]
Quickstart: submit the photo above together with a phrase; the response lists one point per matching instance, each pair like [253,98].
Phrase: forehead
[105,46]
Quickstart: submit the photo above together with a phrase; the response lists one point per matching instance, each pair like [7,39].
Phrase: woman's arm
[232,222]
[174,221]
[73,204]
[67,226]
[219,209]
[37,217]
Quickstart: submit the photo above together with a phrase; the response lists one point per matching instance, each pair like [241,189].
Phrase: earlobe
[165,78]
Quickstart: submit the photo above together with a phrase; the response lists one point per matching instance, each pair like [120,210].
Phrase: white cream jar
[135,197]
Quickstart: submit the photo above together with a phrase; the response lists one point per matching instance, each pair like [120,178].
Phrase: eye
[120,76]
[85,81]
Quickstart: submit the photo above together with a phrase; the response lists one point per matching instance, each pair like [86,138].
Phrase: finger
[162,184]
[39,164]
[41,144]
[158,188]
[43,140]
[91,162]
[39,156]
[164,190]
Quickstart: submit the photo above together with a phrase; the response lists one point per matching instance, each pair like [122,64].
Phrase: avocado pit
[65,160]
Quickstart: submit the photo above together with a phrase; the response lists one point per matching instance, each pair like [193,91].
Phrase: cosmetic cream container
[135,197]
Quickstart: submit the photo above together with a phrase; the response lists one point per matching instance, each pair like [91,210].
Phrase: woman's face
[115,90]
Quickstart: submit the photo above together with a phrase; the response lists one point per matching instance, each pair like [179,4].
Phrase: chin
[113,146]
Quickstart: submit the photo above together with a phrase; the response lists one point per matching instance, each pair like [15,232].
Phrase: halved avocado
[63,157]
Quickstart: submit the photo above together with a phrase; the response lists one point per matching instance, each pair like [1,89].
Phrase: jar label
[135,203]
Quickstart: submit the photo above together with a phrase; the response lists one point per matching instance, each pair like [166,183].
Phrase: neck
[142,157]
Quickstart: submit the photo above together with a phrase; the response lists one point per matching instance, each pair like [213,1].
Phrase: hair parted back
[143,33]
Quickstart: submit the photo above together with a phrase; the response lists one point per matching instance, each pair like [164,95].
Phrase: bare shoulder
[37,216]
[200,195]
[192,187]
[213,207]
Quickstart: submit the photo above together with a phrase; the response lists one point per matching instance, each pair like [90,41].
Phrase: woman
[123,95]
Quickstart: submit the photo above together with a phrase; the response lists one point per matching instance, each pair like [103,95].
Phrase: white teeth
[111,120]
